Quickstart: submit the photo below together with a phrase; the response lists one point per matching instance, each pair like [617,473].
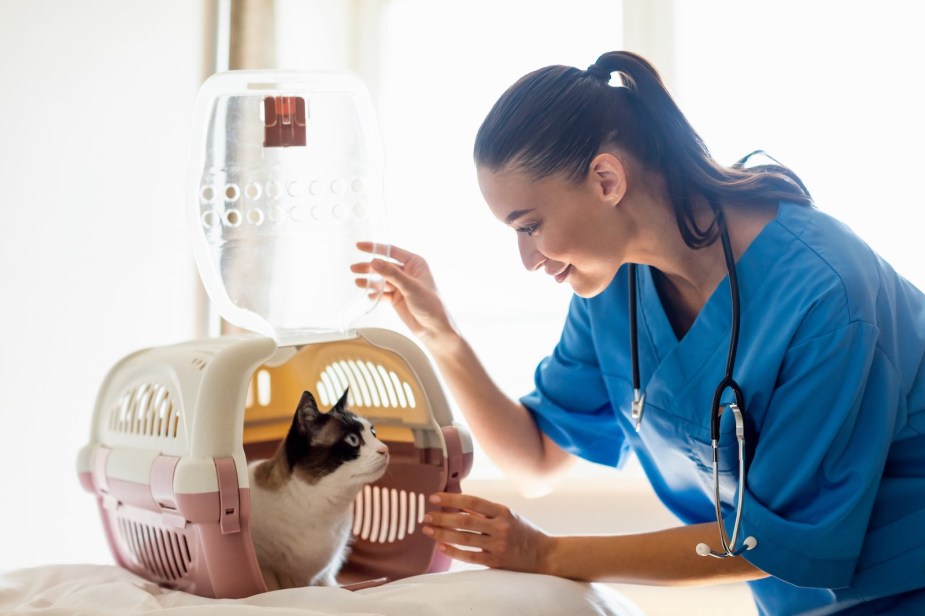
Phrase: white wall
[95,109]
[833,89]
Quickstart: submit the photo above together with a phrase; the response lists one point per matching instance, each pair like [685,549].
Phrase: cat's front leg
[327,579]
[328,575]
[270,578]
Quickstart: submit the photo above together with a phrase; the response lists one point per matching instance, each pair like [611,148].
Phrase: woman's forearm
[502,426]
[665,557]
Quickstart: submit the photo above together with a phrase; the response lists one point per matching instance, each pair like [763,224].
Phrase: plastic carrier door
[286,178]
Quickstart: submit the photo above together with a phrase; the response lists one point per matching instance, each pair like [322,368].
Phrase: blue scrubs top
[831,360]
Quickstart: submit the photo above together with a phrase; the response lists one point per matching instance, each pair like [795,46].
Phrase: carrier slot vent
[386,515]
[371,385]
[163,554]
[147,409]
[201,359]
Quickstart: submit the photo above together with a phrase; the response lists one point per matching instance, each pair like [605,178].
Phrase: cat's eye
[353,440]
[372,430]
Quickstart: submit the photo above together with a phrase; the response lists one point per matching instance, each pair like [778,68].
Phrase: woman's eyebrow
[515,215]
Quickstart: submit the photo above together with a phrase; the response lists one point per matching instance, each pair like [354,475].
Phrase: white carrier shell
[286,177]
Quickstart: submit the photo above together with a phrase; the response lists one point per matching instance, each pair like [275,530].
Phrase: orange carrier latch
[283,121]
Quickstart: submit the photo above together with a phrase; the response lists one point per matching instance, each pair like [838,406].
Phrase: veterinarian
[761,361]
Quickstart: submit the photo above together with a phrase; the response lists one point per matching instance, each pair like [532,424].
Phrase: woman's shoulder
[826,255]
[843,280]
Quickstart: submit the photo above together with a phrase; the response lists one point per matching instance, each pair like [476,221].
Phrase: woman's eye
[528,229]
[352,439]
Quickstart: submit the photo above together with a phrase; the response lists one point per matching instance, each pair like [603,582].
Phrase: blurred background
[95,137]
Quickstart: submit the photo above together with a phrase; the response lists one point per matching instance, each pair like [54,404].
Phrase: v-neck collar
[685,356]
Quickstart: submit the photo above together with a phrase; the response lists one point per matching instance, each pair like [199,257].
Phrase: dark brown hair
[558,118]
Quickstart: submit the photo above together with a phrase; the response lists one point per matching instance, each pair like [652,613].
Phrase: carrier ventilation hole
[263,388]
[371,385]
[253,191]
[164,554]
[386,515]
[232,192]
[255,217]
[207,194]
[232,217]
[146,410]
[260,389]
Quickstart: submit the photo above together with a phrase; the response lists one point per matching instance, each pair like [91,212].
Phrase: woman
[828,369]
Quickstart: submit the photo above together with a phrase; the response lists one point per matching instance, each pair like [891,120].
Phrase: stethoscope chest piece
[639,406]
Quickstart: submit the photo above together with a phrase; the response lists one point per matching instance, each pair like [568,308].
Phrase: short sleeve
[570,403]
[819,458]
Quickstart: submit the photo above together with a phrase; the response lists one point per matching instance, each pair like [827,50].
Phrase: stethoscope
[639,400]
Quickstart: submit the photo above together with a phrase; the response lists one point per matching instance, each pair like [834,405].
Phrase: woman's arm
[503,427]
[664,558]
[487,533]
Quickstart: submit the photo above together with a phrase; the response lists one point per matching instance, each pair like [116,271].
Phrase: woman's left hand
[486,533]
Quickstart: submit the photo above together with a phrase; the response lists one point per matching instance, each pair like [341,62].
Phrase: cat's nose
[383,451]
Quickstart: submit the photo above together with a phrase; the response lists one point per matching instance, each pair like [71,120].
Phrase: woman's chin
[584,288]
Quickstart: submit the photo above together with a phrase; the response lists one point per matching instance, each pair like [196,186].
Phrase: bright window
[443,65]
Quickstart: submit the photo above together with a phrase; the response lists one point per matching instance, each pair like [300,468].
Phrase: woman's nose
[529,255]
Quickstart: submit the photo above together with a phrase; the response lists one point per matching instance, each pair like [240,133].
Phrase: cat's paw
[326,580]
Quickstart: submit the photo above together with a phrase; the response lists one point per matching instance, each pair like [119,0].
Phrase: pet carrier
[286,177]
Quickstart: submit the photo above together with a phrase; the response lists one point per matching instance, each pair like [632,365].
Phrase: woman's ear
[608,176]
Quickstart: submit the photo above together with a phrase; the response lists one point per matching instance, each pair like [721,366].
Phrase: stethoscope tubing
[728,382]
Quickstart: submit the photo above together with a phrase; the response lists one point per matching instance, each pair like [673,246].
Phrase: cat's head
[338,444]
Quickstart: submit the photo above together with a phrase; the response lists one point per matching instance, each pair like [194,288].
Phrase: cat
[302,497]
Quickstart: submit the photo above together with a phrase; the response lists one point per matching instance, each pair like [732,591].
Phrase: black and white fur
[302,497]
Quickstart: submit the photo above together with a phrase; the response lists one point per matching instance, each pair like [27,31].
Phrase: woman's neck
[685,277]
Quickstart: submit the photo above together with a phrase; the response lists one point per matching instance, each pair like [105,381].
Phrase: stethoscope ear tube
[728,382]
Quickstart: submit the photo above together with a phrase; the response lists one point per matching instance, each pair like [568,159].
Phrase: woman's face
[570,231]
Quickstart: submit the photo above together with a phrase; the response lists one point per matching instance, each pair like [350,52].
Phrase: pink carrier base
[181,423]
[201,543]
[198,543]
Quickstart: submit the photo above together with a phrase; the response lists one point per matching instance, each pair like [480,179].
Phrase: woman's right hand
[409,286]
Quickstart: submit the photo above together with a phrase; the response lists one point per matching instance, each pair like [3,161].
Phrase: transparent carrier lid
[286,178]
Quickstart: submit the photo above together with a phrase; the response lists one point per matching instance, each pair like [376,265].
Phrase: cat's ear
[307,410]
[341,405]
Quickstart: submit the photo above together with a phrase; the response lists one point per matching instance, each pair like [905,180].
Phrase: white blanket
[96,590]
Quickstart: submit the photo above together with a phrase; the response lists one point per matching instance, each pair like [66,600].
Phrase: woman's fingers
[476,557]
[376,289]
[479,531]
[470,521]
[457,537]
[467,502]
[464,521]
[406,282]
[373,248]
[379,267]
[393,252]
[394,274]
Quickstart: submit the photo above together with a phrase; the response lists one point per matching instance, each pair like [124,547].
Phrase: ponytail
[557,119]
